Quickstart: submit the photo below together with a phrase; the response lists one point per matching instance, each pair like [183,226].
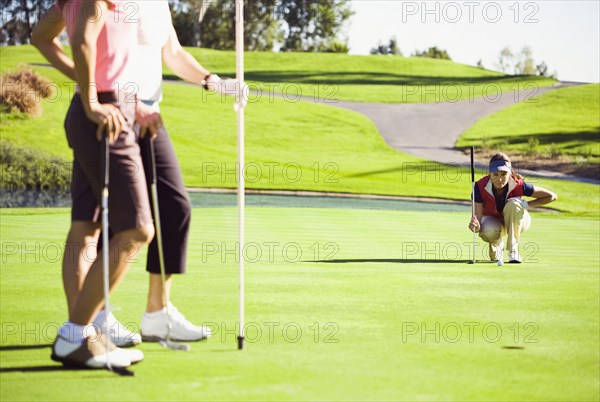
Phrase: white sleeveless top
[153,32]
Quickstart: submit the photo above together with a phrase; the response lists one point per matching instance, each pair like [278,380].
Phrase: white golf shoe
[135,355]
[119,334]
[513,256]
[89,353]
[155,327]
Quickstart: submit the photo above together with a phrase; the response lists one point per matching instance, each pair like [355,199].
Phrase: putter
[167,342]
[473,200]
[105,164]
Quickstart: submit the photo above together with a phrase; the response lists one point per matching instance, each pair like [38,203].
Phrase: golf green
[341,304]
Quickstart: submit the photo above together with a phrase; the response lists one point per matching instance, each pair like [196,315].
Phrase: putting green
[341,304]
[211,200]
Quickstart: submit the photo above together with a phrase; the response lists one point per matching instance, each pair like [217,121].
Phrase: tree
[433,53]
[185,22]
[522,63]
[261,29]
[525,64]
[505,60]
[291,25]
[310,25]
[542,69]
[18,19]
[390,49]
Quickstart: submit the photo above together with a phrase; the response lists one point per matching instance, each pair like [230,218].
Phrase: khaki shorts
[128,202]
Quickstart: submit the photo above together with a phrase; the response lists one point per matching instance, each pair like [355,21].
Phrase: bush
[26,168]
[533,147]
[21,91]
[555,151]
[434,53]
[337,47]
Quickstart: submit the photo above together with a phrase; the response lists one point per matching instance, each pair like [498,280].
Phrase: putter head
[500,263]
[471,262]
[122,371]
[169,344]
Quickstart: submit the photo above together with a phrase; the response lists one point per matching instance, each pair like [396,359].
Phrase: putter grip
[105,160]
[151,158]
[472,164]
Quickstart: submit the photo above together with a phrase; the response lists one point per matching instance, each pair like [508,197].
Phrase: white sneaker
[513,256]
[89,353]
[154,327]
[119,334]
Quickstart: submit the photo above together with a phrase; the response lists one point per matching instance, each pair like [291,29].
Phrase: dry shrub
[22,91]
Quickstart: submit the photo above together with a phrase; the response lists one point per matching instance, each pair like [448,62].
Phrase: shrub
[21,91]
[337,47]
[533,147]
[26,168]
[555,151]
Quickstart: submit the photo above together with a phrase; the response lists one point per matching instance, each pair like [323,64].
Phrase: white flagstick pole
[239,49]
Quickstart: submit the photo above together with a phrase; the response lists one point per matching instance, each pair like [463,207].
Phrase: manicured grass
[366,289]
[334,77]
[299,146]
[290,145]
[565,121]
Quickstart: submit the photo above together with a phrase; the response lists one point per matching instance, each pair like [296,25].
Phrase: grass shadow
[58,368]
[24,347]
[391,261]
[360,78]
[409,169]
[591,137]
[39,369]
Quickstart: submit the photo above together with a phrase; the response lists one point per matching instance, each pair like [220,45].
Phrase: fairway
[341,304]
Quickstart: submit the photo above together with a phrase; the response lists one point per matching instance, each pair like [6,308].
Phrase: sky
[565,34]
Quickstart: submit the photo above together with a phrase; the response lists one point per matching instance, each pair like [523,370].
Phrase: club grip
[105,160]
[472,164]
[151,159]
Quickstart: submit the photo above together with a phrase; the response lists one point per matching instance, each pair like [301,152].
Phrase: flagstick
[239,50]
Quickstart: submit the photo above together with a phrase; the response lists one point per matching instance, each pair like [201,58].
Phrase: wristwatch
[205,81]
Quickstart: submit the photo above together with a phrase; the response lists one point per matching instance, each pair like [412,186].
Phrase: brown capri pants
[128,204]
[129,168]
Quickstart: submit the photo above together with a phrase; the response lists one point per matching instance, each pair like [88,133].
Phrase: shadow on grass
[40,369]
[390,260]
[41,65]
[513,347]
[58,368]
[24,347]
[587,137]
[360,78]
[418,169]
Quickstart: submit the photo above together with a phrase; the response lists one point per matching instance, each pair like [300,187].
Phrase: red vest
[515,189]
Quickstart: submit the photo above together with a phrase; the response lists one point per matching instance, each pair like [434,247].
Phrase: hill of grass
[332,77]
[290,145]
[382,79]
[562,125]
[568,118]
